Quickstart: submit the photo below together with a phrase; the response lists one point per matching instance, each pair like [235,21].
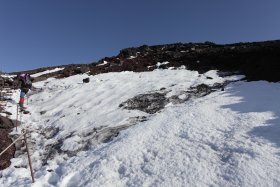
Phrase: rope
[24,132]
[12,143]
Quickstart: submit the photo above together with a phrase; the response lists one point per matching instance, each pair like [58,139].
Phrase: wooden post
[20,114]
[29,159]
[26,99]
[17,118]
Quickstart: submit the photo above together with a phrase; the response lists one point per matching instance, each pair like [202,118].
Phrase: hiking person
[24,84]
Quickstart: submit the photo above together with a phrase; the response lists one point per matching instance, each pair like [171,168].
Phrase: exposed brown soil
[5,127]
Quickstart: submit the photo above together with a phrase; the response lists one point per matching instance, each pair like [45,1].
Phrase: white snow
[227,138]
[104,63]
[47,72]
[132,57]
[160,64]
[8,76]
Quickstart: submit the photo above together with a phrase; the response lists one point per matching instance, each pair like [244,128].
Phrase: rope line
[24,133]
[12,144]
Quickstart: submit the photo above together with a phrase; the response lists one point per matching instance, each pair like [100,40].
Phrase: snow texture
[104,63]
[79,136]
[47,72]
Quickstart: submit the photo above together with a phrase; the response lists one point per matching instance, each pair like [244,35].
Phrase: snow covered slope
[81,136]
[46,72]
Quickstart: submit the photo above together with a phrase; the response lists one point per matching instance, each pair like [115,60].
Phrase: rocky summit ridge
[256,60]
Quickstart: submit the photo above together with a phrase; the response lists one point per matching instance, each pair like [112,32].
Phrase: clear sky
[41,33]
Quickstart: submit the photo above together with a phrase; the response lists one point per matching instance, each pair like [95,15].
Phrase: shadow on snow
[259,97]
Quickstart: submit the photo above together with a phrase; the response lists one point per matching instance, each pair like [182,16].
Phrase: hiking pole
[29,159]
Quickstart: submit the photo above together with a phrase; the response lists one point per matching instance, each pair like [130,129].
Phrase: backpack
[26,79]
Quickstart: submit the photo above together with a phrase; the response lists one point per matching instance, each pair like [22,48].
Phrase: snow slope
[227,138]
[46,72]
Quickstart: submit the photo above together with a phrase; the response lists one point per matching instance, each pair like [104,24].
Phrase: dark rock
[126,53]
[202,90]
[6,123]
[154,102]
[8,113]
[81,70]
[5,141]
[6,126]
[86,80]
[150,103]
[67,72]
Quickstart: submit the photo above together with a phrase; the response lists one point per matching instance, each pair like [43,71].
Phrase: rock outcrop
[257,60]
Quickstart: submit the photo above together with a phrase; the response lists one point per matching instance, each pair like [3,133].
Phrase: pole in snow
[17,118]
[29,159]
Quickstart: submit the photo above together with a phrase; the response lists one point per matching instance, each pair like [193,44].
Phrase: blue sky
[41,33]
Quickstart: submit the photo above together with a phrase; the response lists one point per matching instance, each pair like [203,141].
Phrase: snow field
[227,138]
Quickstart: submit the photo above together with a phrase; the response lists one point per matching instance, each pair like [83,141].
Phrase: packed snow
[227,138]
[158,64]
[104,63]
[7,76]
[46,72]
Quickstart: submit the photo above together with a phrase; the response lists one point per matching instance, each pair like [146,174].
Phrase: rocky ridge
[257,60]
